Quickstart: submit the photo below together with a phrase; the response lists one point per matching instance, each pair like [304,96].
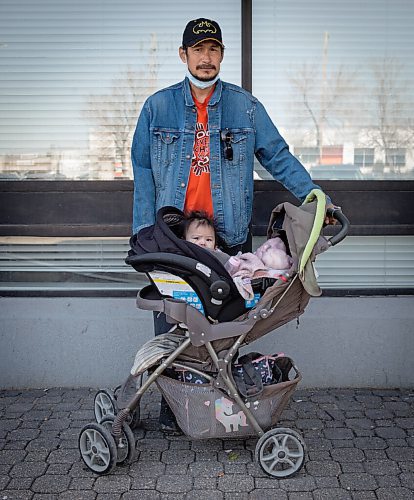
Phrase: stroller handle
[337,214]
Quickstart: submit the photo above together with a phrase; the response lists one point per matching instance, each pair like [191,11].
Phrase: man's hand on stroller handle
[335,213]
[330,209]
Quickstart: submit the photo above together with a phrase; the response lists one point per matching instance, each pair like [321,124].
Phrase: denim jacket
[162,150]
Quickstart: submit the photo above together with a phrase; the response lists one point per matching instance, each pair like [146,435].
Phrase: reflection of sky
[54,54]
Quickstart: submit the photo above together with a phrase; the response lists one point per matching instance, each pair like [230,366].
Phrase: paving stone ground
[360,446]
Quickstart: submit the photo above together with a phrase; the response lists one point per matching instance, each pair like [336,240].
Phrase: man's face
[203,60]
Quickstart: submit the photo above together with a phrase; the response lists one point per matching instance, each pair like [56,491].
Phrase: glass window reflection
[338,80]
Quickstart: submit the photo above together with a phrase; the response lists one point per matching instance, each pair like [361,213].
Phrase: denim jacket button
[183,184]
[188,157]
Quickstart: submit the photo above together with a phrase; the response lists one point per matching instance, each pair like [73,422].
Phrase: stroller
[211,392]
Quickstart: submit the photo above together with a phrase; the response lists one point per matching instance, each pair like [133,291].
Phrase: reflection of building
[29,165]
[74,164]
[65,164]
[100,162]
[365,152]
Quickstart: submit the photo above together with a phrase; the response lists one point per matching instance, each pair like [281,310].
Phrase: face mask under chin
[200,84]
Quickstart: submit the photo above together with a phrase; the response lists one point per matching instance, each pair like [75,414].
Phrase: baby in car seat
[269,260]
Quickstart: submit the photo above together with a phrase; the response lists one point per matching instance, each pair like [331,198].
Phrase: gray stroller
[211,392]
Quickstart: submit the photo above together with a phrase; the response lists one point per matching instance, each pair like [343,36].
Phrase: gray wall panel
[340,342]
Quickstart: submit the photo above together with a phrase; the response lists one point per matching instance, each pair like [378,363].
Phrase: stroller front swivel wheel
[280,452]
[126,448]
[97,448]
[134,418]
[104,404]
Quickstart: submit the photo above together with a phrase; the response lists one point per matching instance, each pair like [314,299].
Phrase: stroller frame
[279,451]
[224,378]
[120,415]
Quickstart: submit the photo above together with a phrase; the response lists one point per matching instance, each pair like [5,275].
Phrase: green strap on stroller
[320,197]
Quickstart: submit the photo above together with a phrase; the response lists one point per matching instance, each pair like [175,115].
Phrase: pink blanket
[269,260]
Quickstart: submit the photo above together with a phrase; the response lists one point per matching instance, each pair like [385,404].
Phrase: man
[195,143]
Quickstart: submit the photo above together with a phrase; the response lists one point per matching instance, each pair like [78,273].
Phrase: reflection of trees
[384,105]
[325,94]
[116,113]
[392,110]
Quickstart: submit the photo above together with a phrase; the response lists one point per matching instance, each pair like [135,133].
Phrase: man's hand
[328,219]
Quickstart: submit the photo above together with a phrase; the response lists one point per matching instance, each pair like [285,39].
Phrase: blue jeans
[160,323]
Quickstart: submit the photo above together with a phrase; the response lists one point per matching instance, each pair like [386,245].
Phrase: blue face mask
[199,83]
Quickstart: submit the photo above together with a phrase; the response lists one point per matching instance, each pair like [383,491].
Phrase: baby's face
[201,234]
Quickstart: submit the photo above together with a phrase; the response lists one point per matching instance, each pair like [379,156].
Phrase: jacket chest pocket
[233,146]
[165,147]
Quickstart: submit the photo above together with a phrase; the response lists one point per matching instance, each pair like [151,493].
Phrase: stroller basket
[203,411]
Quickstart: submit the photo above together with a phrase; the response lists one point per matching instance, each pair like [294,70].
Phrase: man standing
[195,143]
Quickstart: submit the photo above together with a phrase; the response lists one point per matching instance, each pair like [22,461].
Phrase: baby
[201,230]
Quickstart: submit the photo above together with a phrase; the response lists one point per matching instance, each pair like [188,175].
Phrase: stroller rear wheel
[97,448]
[126,449]
[280,452]
[104,404]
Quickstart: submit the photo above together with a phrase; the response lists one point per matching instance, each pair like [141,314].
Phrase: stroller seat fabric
[154,350]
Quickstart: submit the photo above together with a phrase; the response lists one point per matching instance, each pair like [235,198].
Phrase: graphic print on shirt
[200,162]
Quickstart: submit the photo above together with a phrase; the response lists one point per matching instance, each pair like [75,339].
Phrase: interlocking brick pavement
[360,446]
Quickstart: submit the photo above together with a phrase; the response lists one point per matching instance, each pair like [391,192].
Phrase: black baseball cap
[199,30]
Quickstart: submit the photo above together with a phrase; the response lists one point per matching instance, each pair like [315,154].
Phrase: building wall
[91,342]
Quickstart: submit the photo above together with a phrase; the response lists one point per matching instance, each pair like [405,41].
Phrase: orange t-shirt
[198,195]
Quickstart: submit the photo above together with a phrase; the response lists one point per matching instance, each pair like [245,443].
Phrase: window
[395,157]
[74,75]
[308,156]
[54,266]
[364,157]
[339,75]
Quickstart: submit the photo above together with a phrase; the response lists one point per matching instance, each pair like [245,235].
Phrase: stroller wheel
[281,452]
[124,393]
[126,449]
[104,404]
[134,420]
[97,448]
